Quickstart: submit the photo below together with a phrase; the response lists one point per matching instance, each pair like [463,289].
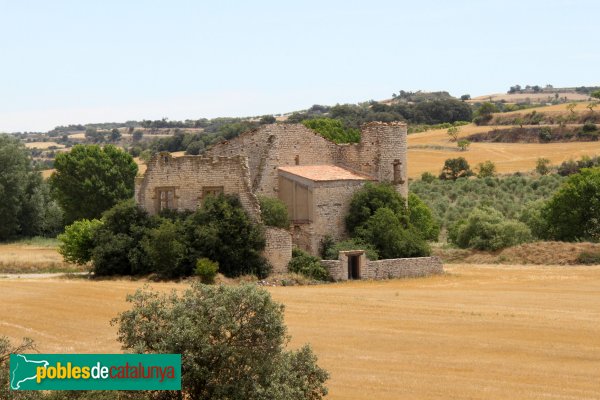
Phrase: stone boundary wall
[388,268]
[278,249]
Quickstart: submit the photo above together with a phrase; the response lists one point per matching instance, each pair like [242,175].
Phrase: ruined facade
[314,177]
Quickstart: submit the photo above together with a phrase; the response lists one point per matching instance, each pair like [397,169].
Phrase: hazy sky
[67,62]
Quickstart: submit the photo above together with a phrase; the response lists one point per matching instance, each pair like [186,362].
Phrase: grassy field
[427,151]
[485,332]
[33,256]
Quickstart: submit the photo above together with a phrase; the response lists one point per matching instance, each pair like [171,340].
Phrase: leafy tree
[487,229]
[463,144]
[420,216]
[571,108]
[267,119]
[333,130]
[195,148]
[595,94]
[453,133]
[117,242]
[486,169]
[369,199]
[307,265]
[165,248]
[483,115]
[542,166]
[428,177]
[274,212]
[465,97]
[223,232]
[115,135]
[137,135]
[592,105]
[89,180]
[573,213]
[206,270]
[391,236]
[232,340]
[455,168]
[77,242]
[27,208]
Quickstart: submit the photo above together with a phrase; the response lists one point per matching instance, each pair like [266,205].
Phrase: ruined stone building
[313,176]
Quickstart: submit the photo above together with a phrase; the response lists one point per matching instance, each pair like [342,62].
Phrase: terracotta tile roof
[324,173]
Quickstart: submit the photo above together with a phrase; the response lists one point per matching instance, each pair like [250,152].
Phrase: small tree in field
[571,108]
[592,105]
[77,243]
[453,133]
[232,340]
[455,168]
[463,144]
[542,166]
[486,169]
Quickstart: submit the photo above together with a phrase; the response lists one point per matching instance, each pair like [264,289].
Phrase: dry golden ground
[485,332]
[534,97]
[508,157]
[43,145]
[26,258]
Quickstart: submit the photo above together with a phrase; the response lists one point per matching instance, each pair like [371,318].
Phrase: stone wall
[278,249]
[190,176]
[389,268]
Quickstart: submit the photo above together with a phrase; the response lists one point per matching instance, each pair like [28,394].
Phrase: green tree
[333,129]
[89,180]
[232,340]
[542,166]
[453,133]
[366,201]
[595,94]
[455,168]
[463,144]
[115,135]
[26,206]
[486,169]
[206,270]
[137,135]
[421,217]
[77,242]
[391,236]
[223,232]
[573,213]
[484,113]
[165,249]
[487,229]
[274,212]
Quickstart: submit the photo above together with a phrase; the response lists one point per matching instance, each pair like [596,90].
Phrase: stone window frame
[212,191]
[159,199]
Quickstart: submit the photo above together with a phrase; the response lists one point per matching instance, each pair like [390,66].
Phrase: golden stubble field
[427,151]
[485,332]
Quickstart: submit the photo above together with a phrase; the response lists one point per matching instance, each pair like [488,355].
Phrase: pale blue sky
[67,62]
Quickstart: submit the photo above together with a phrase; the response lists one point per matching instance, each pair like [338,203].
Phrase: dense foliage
[487,229]
[273,212]
[26,206]
[452,201]
[127,241]
[307,265]
[232,340]
[331,251]
[380,217]
[455,168]
[90,179]
[573,213]
[333,129]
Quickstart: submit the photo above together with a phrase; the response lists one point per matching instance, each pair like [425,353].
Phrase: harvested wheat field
[485,332]
[427,151]
[32,258]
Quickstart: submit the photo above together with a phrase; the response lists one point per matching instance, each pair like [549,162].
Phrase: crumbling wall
[387,268]
[278,249]
[190,176]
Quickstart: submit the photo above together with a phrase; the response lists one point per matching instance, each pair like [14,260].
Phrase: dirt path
[478,332]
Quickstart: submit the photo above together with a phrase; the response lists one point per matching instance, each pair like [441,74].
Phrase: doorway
[354,267]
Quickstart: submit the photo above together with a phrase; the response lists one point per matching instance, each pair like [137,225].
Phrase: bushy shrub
[532,215]
[486,169]
[573,213]
[421,217]
[165,249]
[77,242]
[307,265]
[392,237]
[487,229]
[366,201]
[587,257]
[222,231]
[333,129]
[274,212]
[332,252]
[232,340]
[206,270]
[428,177]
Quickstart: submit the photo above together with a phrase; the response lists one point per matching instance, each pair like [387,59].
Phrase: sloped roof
[323,173]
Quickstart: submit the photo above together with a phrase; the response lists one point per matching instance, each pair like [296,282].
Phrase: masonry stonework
[278,250]
[386,269]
